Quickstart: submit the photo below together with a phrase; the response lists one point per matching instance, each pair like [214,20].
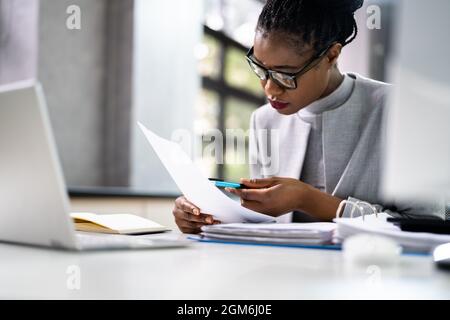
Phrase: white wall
[355,56]
[165,81]
[71,67]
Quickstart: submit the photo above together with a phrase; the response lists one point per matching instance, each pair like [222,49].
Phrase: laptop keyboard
[95,241]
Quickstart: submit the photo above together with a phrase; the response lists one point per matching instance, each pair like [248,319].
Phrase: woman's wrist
[319,204]
[305,198]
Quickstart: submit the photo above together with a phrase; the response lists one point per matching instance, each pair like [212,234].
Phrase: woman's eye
[282,76]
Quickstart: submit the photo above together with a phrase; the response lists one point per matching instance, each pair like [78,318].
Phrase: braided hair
[315,22]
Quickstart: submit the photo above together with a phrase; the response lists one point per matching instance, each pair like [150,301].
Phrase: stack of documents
[272,233]
[378,225]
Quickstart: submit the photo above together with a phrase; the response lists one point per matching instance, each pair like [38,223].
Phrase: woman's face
[274,52]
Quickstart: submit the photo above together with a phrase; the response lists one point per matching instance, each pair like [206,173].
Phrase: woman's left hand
[273,196]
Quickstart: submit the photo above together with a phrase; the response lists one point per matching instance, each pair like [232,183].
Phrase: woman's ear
[333,54]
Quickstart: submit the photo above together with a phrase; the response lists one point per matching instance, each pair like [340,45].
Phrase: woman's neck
[336,79]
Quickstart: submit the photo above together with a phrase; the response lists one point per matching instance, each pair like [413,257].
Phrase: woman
[329,124]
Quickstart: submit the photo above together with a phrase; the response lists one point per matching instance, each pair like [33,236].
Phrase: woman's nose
[271,88]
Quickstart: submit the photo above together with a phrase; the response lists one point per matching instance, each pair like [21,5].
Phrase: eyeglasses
[284,79]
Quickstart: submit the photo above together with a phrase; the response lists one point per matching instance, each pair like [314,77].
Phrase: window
[237,115]
[238,74]
[207,118]
[230,94]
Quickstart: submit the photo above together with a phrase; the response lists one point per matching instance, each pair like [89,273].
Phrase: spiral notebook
[377,224]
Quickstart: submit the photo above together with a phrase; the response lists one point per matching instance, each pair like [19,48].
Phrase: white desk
[213,271]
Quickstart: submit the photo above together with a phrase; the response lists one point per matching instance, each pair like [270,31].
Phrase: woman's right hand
[188,217]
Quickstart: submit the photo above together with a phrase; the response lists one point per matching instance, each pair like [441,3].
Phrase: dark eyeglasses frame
[308,66]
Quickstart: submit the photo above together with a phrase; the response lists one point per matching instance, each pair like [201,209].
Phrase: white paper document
[196,187]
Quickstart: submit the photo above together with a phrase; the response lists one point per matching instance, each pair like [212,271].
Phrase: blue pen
[225,184]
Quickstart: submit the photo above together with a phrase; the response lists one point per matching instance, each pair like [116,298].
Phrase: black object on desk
[422,225]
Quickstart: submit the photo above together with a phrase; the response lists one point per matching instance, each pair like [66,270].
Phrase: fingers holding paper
[188,217]
[272,196]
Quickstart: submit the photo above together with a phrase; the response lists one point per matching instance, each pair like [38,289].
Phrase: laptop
[34,206]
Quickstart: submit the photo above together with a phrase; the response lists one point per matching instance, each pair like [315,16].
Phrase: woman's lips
[278,104]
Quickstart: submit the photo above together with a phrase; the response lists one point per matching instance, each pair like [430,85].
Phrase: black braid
[315,22]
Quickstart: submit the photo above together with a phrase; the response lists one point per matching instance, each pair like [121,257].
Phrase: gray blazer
[352,136]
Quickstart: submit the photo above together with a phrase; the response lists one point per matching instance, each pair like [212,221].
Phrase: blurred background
[170,64]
